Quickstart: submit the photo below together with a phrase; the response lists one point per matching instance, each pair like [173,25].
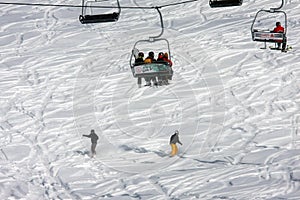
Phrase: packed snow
[235,105]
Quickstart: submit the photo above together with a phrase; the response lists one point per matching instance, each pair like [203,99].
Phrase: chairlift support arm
[119,6]
[154,38]
[161,23]
[282,3]
[82,7]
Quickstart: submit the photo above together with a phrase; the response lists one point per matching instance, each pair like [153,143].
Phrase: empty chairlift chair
[225,3]
[86,18]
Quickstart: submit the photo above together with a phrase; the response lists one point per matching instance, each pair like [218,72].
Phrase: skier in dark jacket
[140,59]
[94,139]
[173,140]
[160,58]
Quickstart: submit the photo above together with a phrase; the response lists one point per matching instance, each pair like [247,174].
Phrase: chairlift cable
[175,4]
[80,6]
[161,23]
[72,6]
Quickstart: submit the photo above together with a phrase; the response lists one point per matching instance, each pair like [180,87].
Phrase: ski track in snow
[236,106]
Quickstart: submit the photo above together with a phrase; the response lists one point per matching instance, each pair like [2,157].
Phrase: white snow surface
[235,105]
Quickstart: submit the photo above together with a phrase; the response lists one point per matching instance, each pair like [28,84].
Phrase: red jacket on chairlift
[278,29]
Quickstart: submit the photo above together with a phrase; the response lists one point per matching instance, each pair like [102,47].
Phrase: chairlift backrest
[268,37]
[225,3]
[85,18]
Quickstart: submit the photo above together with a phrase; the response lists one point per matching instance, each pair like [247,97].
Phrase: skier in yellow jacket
[173,140]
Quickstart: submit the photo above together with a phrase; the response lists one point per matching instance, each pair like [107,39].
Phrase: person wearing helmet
[94,139]
[166,59]
[279,29]
[150,59]
[140,59]
[173,140]
[160,57]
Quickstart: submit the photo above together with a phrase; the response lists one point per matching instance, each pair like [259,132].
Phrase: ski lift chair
[225,3]
[265,35]
[149,70]
[85,18]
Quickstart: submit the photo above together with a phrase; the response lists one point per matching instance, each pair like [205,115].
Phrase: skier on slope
[94,139]
[173,140]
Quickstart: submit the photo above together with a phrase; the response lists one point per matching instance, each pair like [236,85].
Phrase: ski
[288,48]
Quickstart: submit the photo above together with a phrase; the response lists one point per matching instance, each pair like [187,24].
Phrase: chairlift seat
[267,36]
[88,17]
[152,70]
[102,18]
[225,3]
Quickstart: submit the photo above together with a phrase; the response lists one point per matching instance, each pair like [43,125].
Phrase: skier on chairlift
[279,29]
[150,59]
[163,58]
[166,59]
[140,59]
[160,57]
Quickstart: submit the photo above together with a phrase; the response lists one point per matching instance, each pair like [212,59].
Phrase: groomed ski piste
[235,105]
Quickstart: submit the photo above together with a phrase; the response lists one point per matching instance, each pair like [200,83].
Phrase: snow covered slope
[236,106]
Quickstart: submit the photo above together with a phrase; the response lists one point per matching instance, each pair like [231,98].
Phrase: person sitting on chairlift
[279,29]
[150,58]
[140,59]
[160,57]
[166,59]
